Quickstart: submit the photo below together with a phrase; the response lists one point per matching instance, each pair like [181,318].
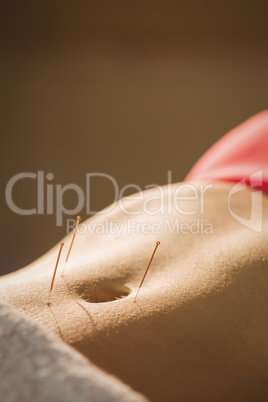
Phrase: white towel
[36,366]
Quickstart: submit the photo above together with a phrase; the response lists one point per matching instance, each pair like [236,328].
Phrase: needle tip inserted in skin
[157,244]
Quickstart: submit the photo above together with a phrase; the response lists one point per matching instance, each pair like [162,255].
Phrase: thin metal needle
[157,244]
[55,270]
[78,219]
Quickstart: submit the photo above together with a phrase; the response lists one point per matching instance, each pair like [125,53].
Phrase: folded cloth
[240,155]
[36,366]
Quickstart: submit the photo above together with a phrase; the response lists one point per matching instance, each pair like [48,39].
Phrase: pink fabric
[238,155]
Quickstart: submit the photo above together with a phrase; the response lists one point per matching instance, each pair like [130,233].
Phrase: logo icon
[255,220]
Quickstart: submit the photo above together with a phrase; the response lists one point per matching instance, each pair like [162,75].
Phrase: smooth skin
[198,330]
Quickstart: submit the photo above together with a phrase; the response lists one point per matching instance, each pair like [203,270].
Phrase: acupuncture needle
[54,274]
[78,219]
[157,244]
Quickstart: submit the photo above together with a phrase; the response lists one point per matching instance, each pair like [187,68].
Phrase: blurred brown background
[132,89]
